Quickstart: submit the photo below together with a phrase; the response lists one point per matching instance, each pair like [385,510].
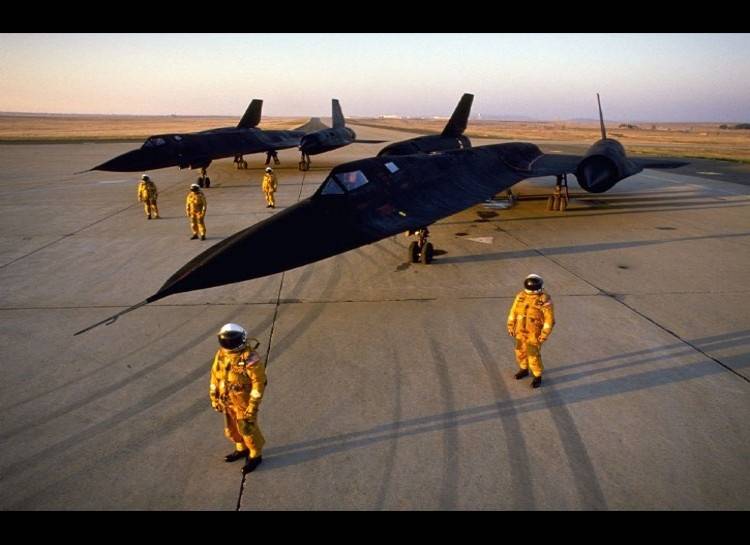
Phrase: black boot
[522,373]
[537,382]
[203,237]
[193,237]
[236,455]
[251,464]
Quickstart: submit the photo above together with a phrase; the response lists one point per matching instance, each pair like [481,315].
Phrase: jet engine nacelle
[603,166]
[433,143]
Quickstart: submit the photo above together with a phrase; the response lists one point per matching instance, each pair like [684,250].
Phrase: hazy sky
[659,77]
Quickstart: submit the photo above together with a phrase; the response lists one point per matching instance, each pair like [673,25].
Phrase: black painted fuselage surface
[198,149]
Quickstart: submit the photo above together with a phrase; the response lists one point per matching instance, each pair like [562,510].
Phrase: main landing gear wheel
[559,199]
[427,252]
[420,250]
[272,155]
[304,164]
[414,252]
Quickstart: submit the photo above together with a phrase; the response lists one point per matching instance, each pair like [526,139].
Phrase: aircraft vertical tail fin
[601,117]
[252,115]
[337,114]
[457,123]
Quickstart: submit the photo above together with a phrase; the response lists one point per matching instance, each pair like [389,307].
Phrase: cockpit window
[392,167]
[351,180]
[330,187]
[153,142]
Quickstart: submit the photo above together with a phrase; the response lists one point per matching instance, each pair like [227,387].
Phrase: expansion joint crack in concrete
[623,303]
[270,340]
[67,235]
[675,335]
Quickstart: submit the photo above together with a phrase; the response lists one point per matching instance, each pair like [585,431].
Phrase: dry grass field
[697,140]
[93,128]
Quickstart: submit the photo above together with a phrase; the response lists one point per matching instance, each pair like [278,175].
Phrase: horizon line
[391,116]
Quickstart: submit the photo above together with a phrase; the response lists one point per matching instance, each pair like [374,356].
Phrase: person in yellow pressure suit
[147,194]
[195,208]
[269,187]
[238,380]
[530,322]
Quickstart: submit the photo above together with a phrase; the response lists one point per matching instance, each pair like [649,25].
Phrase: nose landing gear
[420,250]
[240,162]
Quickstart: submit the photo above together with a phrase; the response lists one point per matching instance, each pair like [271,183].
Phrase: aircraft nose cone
[138,160]
[301,234]
[130,161]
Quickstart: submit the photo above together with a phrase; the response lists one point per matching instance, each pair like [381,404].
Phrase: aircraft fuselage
[326,140]
[359,203]
[197,150]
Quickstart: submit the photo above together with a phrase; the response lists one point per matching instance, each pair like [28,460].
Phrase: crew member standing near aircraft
[269,187]
[530,322]
[147,194]
[238,380]
[195,208]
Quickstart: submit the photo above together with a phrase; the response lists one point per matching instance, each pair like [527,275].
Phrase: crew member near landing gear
[269,187]
[530,322]
[147,194]
[238,380]
[195,208]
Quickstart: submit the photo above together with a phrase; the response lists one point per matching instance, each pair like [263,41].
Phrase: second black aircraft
[330,138]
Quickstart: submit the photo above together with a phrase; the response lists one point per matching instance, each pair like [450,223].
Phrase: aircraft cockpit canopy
[154,141]
[344,182]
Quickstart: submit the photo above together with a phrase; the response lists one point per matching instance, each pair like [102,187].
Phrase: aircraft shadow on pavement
[606,209]
[577,249]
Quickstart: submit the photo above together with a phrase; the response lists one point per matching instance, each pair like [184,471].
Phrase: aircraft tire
[427,253]
[563,205]
[414,252]
[550,202]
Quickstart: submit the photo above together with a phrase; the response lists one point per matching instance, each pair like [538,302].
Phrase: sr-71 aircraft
[365,201]
[198,149]
[330,138]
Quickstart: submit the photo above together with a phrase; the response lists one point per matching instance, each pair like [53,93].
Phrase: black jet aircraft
[365,201]
[198,149]
[329,139]
[451,138]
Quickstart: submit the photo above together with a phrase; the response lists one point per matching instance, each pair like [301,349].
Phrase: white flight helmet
[232,337]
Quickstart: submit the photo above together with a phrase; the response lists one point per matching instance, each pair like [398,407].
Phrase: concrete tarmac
[390,384]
